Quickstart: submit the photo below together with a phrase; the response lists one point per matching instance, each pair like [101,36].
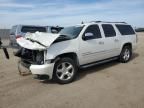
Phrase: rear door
[111,41]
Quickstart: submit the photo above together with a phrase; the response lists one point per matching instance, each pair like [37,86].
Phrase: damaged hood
[37,41]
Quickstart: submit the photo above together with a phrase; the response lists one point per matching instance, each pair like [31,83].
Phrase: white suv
[60,55]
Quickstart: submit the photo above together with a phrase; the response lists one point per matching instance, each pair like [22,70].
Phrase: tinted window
[94,29]
[71,32]
[125,29]
[108,30]
[26,29]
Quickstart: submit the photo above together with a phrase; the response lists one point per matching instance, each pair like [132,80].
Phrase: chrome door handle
[101,43]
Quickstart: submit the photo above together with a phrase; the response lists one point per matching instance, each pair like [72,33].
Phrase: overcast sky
[70,12]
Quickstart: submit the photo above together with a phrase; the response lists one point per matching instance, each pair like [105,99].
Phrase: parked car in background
[18,31]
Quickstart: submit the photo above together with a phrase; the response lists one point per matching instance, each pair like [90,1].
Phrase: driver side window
[92,32]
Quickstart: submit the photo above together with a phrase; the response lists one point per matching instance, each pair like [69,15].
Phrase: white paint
[87,51]
[45,39]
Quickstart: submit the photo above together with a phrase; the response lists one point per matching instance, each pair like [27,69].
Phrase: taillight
[18,36]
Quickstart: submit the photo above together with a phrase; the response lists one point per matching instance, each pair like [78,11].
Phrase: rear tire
[65,71]
[126,54]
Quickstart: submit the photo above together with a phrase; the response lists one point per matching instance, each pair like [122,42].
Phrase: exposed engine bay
[30,56]
[33,52]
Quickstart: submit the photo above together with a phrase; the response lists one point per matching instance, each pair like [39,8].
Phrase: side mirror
[54,31]
[88,36]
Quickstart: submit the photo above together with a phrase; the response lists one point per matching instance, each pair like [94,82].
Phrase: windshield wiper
[36,42]
[64,36]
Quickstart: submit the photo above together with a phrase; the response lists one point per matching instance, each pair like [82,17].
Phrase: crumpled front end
[31,56]
[34,60]
[37,41]
[33,52]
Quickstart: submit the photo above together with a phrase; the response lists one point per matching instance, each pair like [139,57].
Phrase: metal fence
[4,33]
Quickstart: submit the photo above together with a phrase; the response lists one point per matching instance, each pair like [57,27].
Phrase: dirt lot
[112,85]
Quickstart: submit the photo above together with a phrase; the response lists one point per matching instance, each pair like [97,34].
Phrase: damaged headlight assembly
[31,56]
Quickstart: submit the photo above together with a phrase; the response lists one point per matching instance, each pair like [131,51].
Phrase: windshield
[71,32]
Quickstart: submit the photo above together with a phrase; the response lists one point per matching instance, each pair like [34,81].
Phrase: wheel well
[71,55]
[128,44]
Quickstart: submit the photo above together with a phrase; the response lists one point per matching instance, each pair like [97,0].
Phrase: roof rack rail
[107,22]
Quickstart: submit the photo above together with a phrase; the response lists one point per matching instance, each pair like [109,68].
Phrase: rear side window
[108,30]
[26,29]
[94,29]
[125,29]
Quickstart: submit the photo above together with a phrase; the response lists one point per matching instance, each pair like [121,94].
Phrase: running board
[98,62]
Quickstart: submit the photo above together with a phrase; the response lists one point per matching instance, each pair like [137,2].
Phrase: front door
[91,45]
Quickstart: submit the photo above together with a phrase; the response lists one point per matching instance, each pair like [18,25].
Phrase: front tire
[65,71]
[126,54]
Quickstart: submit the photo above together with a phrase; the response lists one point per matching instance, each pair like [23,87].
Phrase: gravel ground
[111,85]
